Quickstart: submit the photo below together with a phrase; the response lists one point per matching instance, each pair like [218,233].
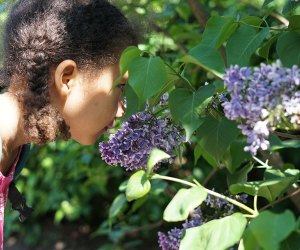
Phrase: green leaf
[239,176]
[243,44]
[200,151]
[138,186]
[289,6]
[218,234]
[197,153]
[215,136]
[156,156]
[294,23]
[274,185]
[265,49]
[147,76]
[158,186]
[138,203]
[269,229]
[184,10]
[217,30]
[219,85]
[183,104]
[172,79]
[133,103]
[206,57]
[266,2]
[276,143]
[252,20]
[235,155]
[118,205]
[288,48]
[185,201]
[127,56]
[292,242]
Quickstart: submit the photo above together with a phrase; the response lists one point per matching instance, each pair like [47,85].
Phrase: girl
[60,62]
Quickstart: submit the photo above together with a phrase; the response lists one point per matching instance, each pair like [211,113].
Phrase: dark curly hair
[39,34]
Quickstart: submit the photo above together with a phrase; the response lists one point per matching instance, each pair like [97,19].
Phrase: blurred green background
[71,189]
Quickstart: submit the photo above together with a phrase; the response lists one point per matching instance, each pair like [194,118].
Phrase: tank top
[7,180]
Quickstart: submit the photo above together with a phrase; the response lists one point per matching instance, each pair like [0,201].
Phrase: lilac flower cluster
[131,145]
[171,240]
[212,208]
[262,98]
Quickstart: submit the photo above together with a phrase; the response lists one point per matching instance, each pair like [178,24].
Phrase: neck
[11,129]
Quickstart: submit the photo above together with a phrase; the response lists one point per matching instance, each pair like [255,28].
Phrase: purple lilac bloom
[131,145]
[171,240]
[259,97]
[195,220]
[218,99]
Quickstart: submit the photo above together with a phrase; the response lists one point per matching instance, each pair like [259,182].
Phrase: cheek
[106,107]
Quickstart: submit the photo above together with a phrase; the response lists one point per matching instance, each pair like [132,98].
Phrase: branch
[198,12]
[286,135]
[144,228]
[280,18]
[210,175]
[281,199]
[210,192]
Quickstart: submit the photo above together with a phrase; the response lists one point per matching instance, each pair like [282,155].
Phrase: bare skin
[11,130]
[88,104]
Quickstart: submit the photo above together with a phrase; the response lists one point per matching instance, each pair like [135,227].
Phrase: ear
[64,76]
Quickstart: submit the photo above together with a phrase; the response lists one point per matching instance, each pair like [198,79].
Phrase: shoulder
[9,114]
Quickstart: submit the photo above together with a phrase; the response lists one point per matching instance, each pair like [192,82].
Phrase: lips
[111,125]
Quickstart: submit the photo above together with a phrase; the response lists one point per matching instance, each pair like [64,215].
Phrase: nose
[125,77]
[121,110]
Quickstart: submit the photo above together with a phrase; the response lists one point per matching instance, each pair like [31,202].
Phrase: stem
[144,228]
[168,178]
[259,27]
[180,76]
[210,175]
[280,18]
[239,204]
[261,162]
[160,111]
[286,135]
[255,204]
[198,12]
[281,199]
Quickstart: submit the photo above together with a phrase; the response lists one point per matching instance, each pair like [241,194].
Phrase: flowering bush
[231,71]
[234,91]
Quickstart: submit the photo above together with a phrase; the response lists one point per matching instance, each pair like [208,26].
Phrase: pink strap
[4,186]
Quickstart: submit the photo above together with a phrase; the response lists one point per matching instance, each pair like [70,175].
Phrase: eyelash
[122,86]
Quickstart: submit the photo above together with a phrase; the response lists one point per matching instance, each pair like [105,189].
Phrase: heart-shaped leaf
[218,234]
[147,76]
[138,186]
[185,201]
[184,103]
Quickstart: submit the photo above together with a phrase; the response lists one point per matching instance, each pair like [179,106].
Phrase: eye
[122,86]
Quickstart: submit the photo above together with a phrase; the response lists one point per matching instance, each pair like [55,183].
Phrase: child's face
[90,105]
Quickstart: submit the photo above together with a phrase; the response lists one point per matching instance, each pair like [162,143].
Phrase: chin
[86,141]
